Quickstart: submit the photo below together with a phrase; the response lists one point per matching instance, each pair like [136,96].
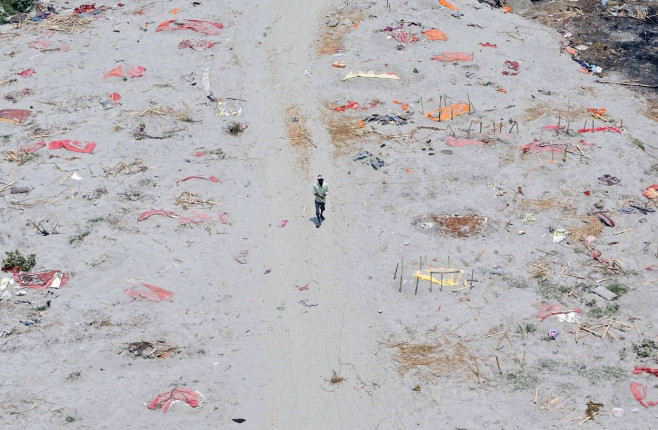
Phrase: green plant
[15,259]
[522,380]
[79,237]
[609,310]
[97,219]
[618,289]
[12,7]
[516,282]
[71,419]
[645,348]
[530,328]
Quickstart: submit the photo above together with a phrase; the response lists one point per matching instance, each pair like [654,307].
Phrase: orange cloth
[405,106]
[448,5]
[435,34]
[448,112]
[507,9]
[453,56]
[117,71]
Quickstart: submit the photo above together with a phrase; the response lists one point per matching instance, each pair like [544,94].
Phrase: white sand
[246,343]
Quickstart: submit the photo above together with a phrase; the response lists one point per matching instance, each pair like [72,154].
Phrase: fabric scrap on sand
[151,292]
[165,400]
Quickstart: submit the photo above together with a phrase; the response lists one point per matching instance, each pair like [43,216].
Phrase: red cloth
[355,106]
[640,393]
[194,218]
[148,214]
[27,73]
[15,116]
[39,280]
[153,293]
[539,146]
[85,8]
[488,45]
[191,24]
[211,179]
[73,145]
[165,400]
[592,130]
[32,148]
[642,369]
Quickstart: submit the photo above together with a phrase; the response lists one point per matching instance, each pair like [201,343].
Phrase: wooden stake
[420,266]
[638,328]
[449,266]
[536,394]
[500,371]
[401,273]
[577,327]
[479,255]
[540,162]
[480,127]
[523,361]
[440,98]
[441,285]
[523,330]
[472,273]
[469,128]
[432,276]
[477,367]
[470,105]
[422,107]
[566,413]
[559,118]
[395,275]
[512,127]
[517,126]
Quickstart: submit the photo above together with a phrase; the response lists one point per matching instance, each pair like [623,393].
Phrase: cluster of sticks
[549,405]
[190,199]
[127,168]
[605,323]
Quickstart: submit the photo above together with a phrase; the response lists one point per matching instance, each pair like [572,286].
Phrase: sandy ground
[398,359]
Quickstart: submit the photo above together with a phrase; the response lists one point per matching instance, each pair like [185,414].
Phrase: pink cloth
[16,116]
[453,141]
[197,45]
[32,148]
[39,280]
[191,24]
[137,71]
[148,214]
[73,145]
[640,393]
[27,73]
[165,400]
[153,293]
[211,179]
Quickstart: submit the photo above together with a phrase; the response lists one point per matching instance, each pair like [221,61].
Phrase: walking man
[320,190]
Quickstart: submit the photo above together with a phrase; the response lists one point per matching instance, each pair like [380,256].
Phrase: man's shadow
[314,220]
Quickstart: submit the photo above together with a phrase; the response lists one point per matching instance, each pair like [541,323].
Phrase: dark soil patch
[460,226]
[622,37]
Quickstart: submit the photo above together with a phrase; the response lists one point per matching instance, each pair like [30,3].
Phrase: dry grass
[67,24]
[127,168]
[182,113]
[593,227]
[187,199]
[651,111]
[297,131]
[344,133]
[332,38]
[552,112]
[19,157]
[545,204]
[443,355]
